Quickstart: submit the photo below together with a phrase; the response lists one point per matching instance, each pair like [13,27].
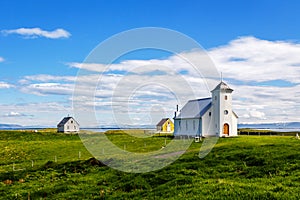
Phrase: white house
[211,116]
[68,125]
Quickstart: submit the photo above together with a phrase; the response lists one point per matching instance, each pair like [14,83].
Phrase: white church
[209,116]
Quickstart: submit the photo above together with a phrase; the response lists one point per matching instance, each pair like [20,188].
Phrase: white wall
[234,126]
[208,124]
[187,127]
[71,126]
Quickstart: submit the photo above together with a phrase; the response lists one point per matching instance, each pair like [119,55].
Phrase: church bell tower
[222,110]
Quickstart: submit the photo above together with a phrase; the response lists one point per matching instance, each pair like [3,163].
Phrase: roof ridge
[199,99]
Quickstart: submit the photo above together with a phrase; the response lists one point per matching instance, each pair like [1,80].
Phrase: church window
[225,97]
[194,125]
[186,125]
[226,112]
[209,113]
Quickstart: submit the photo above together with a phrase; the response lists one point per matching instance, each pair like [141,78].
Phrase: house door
[226,129]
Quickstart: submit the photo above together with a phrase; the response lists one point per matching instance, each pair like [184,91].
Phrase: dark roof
[64,120]
[223,86]
[194,108]
[162,121]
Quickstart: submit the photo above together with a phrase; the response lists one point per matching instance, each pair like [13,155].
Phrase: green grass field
[246,167]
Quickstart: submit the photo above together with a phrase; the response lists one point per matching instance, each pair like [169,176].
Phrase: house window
[71,121]
[179,124]
[226,112]
[194,125]
[209,113]
[215,97]
[74,127]
[225,97]
[67,127]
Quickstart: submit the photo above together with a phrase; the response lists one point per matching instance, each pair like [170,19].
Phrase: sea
[281,129]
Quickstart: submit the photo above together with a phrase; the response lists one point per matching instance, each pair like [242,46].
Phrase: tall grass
[254,167]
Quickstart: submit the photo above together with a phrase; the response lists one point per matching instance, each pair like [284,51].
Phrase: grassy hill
[246,167]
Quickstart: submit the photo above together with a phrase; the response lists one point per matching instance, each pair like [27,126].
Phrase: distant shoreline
[283,130]
[89,129]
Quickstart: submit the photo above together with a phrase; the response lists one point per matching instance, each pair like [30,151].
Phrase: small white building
[211,116]
[68,125]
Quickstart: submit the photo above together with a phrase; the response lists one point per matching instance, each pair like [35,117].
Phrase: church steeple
[222,86]
[222,109]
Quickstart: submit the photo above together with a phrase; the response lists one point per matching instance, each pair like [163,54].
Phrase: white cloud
[37,32]
[253,59]
[96,67]
[16,114]
[46,78]
[48,89]
[2,59]
[4,85]
[257,114]
[35,114]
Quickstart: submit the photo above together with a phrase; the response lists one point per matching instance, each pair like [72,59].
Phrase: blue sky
[254,43]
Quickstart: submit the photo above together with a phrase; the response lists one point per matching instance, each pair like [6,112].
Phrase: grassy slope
[255,167]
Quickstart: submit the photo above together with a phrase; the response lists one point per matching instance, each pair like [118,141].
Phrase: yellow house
[165,125]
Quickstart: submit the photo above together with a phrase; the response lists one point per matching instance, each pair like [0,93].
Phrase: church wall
[208,123]
[177,130]
[187,127]
[234,125]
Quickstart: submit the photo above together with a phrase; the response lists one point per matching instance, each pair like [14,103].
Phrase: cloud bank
[38,32]
[264,75]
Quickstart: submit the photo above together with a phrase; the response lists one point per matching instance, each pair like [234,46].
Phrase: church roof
[223,86]
[194,108]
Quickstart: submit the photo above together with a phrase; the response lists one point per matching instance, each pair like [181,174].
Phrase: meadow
[48,165]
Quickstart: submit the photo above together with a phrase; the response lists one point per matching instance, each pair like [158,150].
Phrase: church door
[226,129]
